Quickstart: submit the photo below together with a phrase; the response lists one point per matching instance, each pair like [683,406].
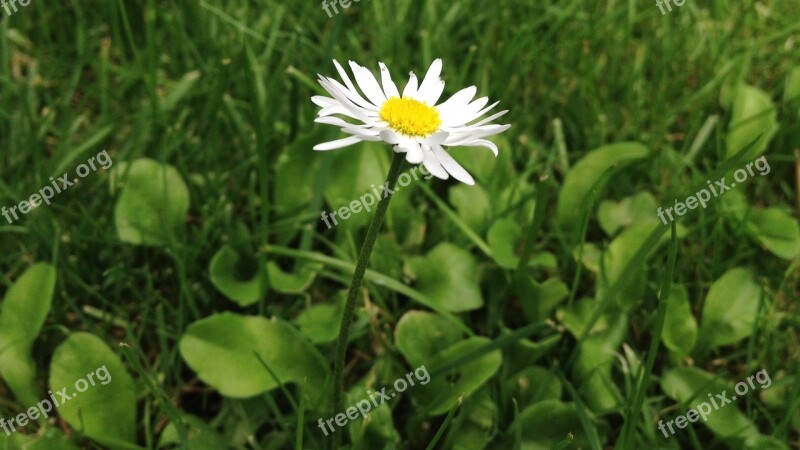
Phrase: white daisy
[412,122]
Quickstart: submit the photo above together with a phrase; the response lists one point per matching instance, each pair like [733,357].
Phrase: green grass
[221,92]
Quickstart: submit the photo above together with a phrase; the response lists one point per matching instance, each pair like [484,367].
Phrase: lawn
[176,259]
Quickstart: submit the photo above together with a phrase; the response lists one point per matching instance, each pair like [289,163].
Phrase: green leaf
[777,230]
[792,88]
[475,423]
[503,239]
[532,385]
[472,205]
[691,387]
[106,411]
[421,334]
[355,172]
[764,443]
[730,309]
[616,258]
[49,439]
[448,275]
[25,308]
[290,283]
[596,353]
[753,114]
[525,352]
[680,326]
[153,205]
[443,392]
[734,206]
[202,436]
[296,173]
[539,299]
[321,322]
[549,422]
[377,429]
[639,208]
[586,173]
[226,350]
[228,276]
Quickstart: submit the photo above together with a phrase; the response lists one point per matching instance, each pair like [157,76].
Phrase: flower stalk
[355,287]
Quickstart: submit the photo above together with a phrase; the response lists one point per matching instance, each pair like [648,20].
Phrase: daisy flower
[412,122]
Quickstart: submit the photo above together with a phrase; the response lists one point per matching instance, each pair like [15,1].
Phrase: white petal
[453,127]
[459,100]
[431,96]
[323,101]
[452,167]
[365,134]
[436,138]
[432,85]
[330,106]
[411,88]
[339,143]
[351,90]
[353,95]
[389,88]
[460,116]
[489,119]
[390,137]
[472,134]
[482,143]
[355,110]
[433,165]
[327,120]
[368,84]
[412,149]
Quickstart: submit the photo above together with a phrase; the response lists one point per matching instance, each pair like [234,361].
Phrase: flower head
[412,122]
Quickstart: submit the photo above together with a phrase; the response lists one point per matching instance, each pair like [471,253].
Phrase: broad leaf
[106,409]
[730,309]
[472,205]
[24,309]
[230,351]
[230,278]
[358,174]
[290,283]
[443,392]
[639,208]
[680,326]
[753,114]
[548,423]
[692,387]
[448,276]
[153,205]
[584,176]
[777,230]
[320,322]
[420,334]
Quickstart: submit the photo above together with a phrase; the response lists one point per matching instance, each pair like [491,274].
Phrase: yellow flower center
[410,117]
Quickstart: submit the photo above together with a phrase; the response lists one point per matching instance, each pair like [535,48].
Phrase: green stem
[355,286]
